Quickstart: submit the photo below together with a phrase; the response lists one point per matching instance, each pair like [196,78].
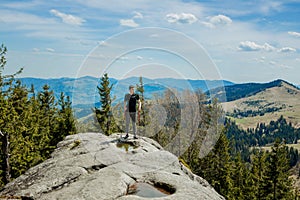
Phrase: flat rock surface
[94,166]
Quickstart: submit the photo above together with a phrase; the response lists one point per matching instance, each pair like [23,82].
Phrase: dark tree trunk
[5,157]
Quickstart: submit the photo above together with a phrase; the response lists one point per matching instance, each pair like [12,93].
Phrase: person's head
[131,89]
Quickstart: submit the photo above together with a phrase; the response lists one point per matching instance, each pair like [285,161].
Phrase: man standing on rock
[130,101]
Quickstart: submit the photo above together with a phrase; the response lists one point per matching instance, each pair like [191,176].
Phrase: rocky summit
[94,166]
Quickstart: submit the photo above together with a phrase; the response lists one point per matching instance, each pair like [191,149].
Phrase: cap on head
[131,86]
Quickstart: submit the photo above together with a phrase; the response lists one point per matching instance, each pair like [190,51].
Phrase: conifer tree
[216,167]
[4,137]
[7,121]
[104,114]
[141,90]
[65,120]
[47,124]
[20,140]
[7,118]
[239,178]
[277,182]
[257,175]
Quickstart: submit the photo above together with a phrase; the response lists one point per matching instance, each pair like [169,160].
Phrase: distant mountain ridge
[84,94]
[238,91]
[83,90]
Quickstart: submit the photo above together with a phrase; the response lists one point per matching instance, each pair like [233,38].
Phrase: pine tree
[47,122]
[239,178]
[258,175]
[104,114]
[65,120]
[4,136]
[216,167]
[277,182]
[34,122]
[7,121]
[7,118]
[20,140]
[141,90]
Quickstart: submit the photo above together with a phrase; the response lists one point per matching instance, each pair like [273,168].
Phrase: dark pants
[132,116]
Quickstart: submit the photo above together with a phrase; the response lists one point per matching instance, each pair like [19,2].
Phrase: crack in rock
[65,183]
[94,168]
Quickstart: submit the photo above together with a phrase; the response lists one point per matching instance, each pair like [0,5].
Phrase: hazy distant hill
[84,94]
[247,103]
[87,86]
[264,103]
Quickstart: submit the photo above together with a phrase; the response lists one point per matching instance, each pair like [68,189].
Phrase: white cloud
[32,25]
[287,49]
[67,18]
[266,7]
[249,46]
[50,50]
[217,21]
[252,46]
[268,47]
[128,22]
[208,24]
[131,22]
[220,19]
[137,15]
[182,18]
[296,34]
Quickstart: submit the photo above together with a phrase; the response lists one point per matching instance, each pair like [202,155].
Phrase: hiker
[130,101]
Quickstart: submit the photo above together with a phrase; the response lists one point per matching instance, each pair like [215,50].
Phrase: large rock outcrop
[93,166]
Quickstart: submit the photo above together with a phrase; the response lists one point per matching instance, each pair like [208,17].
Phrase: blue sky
[240,41]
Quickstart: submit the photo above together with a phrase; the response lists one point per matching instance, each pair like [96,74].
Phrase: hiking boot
[135,137]
[126,136]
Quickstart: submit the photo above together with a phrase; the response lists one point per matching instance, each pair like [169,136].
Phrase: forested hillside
[31,123]
[265,106]
[238,91]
